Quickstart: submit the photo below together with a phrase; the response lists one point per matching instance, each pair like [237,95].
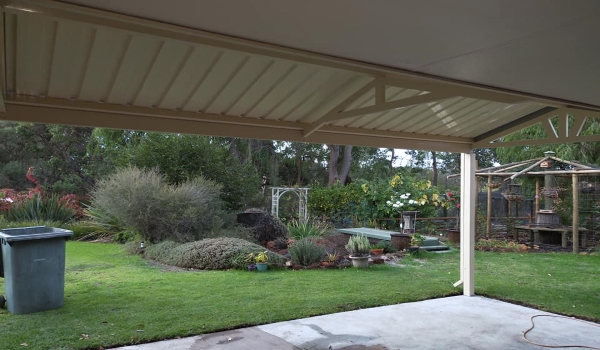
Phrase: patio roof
[399,75]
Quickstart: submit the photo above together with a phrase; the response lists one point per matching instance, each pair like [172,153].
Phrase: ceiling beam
[562,134]
[485,140]
[92,114]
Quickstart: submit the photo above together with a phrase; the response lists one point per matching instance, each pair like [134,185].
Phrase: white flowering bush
[405,203]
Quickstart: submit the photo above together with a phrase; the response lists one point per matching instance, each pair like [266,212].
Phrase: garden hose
[558,346]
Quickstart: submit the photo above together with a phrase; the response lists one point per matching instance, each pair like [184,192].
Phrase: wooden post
[488,227]
[575,214]
[537,194]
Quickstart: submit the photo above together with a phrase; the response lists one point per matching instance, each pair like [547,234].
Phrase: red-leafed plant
[36,205]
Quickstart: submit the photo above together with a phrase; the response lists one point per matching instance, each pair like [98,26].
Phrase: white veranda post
[468,212]
[302,193]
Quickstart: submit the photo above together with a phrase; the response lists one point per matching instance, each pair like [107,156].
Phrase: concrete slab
[237,339]
[447,323]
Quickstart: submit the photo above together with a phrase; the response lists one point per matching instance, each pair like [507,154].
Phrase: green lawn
[114,299]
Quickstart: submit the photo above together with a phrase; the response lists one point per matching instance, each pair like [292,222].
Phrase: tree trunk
[346,163]
[299,161]
[335,174]
[234,150]
[435,168]
[334,156]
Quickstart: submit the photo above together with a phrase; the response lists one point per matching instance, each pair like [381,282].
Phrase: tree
[183,157]
[338,173]
[58,153]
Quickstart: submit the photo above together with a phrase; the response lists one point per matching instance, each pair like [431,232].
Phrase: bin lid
[32,232]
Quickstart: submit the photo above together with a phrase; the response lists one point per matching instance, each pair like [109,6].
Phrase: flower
[403,202]
[452,200]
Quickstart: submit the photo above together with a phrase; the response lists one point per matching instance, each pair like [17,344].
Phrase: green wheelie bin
[33,265]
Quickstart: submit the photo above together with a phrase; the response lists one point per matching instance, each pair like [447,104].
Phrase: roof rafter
[561,134]
[381,104]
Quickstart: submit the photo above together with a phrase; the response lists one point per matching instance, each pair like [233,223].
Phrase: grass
[113,299]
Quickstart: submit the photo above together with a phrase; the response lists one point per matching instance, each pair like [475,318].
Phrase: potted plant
[330,259]
[378,248]
[453,201]
[415,241]
[359,249]
[260,261]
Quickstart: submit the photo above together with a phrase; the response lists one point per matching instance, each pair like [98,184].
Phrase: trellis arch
[302,193]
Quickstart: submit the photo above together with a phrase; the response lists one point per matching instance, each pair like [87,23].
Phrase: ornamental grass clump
[40,208]
[306,252]
[308,228]
[358,245]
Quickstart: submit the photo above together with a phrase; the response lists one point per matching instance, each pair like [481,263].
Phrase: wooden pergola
[539,168]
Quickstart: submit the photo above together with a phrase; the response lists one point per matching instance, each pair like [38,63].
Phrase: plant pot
[453,235]
[327,264]
[400,241]
[252,267]
[360,261]
[262,266]
[378,251]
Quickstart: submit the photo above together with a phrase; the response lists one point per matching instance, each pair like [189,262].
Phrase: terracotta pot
[400,241]
[377,251]
[454,235]
[327,264]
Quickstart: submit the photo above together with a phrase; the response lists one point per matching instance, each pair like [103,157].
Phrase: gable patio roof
[83,66]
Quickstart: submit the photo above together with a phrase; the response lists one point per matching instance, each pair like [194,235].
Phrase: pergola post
[537,194]
[575,213]
[488,226]
[468,212]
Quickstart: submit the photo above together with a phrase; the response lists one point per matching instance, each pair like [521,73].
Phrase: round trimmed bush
[209,254]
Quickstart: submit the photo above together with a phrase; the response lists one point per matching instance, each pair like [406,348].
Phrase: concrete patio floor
[447,323]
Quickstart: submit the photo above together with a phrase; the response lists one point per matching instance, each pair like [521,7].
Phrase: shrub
[40,208]
[310,228]
[160,252]
[337,203]
[264,226]
[15,224]
[143,201]
[387,246]
[358,245]
[237,231]
[85,230]
[102,219]
[494,245]
[306,251]
[208,254]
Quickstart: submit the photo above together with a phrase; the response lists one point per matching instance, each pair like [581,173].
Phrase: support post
[468,222]
[575,213]
[488,227]
[537,194]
